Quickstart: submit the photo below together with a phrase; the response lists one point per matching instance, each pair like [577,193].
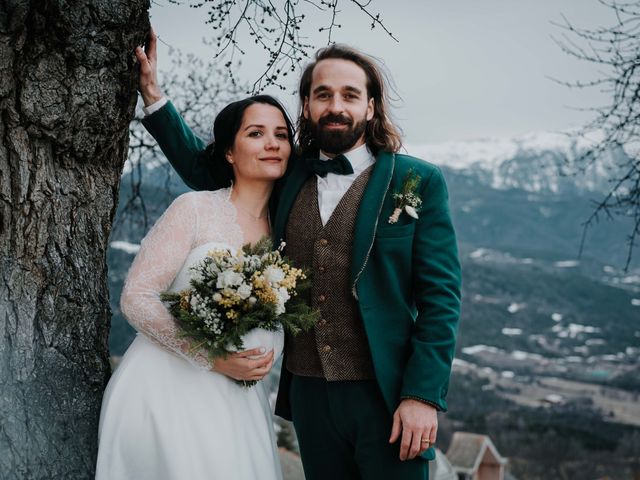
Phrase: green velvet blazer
[405,276]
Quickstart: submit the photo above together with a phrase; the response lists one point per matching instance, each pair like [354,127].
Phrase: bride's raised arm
[161,256]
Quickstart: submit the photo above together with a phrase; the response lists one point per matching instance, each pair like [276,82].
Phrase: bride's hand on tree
[148,79]
[246,365]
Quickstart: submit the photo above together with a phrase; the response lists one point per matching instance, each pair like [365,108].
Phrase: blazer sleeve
[182,147]
[437,283]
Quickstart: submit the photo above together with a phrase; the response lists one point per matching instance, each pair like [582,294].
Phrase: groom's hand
[148,79]
[247,365]
[416,421]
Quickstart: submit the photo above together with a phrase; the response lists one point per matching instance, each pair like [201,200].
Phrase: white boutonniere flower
[407,198]
[411,211]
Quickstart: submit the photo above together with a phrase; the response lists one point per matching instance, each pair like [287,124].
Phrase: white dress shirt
[332,188]
[154,107]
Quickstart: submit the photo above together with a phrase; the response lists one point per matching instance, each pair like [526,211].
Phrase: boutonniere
[407,199]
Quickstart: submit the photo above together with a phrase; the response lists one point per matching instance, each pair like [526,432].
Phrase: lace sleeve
[161,256]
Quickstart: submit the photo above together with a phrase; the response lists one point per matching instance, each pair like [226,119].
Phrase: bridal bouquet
[232,294]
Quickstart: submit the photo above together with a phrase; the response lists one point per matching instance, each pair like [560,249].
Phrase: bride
[168,412]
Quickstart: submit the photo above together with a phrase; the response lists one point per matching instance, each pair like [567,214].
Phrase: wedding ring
[424,440]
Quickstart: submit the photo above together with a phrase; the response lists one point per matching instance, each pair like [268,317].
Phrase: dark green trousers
[343,430]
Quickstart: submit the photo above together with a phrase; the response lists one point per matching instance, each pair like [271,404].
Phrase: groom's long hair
[380,134]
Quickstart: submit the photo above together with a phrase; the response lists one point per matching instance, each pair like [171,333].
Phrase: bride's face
[261,147]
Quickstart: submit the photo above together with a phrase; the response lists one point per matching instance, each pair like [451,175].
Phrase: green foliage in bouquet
[231,294]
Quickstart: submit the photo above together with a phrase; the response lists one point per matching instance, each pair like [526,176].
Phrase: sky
[463,69]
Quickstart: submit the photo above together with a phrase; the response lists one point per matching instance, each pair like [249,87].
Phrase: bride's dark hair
[225,128]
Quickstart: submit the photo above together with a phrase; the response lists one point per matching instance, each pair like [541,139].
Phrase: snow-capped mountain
[542,162]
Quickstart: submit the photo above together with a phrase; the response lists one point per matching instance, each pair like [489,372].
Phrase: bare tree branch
[617,49]
[276,28]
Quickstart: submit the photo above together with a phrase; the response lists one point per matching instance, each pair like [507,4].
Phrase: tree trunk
[67,94]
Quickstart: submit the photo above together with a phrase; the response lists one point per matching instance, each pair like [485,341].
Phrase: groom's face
[338,106]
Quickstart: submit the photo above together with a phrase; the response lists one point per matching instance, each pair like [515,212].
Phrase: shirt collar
[360,158]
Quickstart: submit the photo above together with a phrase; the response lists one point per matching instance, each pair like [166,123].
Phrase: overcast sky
[464,69]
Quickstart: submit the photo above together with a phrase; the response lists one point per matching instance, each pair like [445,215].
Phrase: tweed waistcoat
[336,348]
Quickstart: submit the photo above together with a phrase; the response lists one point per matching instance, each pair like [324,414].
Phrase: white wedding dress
[165,415]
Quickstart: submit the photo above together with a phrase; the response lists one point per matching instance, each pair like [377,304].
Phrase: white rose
[273,274]
[244,291]
[229,278]
[217,297]
[283,294]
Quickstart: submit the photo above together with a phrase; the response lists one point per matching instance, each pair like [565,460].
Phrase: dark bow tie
[338,164]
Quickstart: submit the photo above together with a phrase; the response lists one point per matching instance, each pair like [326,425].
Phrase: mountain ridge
[541,162]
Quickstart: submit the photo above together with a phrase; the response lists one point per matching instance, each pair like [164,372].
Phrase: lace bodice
[191,221]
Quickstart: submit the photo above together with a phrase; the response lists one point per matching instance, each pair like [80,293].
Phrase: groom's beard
[332,141]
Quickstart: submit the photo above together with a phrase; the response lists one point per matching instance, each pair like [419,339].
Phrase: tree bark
[67,94]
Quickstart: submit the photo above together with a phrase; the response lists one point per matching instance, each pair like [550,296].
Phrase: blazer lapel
[292,185]
[369,213]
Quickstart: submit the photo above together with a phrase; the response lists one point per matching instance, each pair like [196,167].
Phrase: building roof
[441,469]
[468,450]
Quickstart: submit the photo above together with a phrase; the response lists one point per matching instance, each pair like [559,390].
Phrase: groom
[373,226]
